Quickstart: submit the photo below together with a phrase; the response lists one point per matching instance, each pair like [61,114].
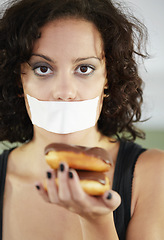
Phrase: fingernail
[61,167]
[70,174]
[109,196]
[37,187]
[49,175]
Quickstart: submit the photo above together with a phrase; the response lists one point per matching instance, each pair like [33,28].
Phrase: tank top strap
[122,183]
[3,169]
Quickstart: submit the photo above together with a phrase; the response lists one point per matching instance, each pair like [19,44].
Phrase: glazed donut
[90,164]
[78,157]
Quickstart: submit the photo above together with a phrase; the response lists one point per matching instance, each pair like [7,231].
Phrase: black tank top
[122,183]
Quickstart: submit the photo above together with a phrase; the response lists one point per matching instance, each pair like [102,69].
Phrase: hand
[70,195]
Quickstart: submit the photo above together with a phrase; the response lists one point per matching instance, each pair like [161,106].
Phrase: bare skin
[25,212]
[68,213]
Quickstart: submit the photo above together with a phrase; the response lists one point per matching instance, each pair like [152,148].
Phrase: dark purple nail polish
[70,174]
[49,175]
[37,187]
[61,167]
[109,196]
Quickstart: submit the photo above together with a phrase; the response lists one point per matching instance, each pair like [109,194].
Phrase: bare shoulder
[152,154]
[149,175]
[148,197]
[17,160]
[150,162]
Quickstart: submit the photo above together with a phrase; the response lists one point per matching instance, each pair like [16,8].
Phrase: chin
[77,138]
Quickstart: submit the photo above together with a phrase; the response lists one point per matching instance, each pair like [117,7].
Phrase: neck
[90,137]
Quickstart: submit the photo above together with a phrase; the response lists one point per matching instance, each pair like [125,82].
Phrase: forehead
[70,36]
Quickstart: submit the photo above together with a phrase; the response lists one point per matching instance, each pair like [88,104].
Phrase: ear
[106,83]
[106,92]
[23,68]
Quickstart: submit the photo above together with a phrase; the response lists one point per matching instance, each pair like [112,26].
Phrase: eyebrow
[43,56]
[77,60]
[82,59]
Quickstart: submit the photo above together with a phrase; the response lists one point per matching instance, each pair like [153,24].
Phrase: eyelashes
[42,69]
[85,69]
[45,70]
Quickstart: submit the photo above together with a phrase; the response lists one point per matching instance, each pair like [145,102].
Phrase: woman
[71,51]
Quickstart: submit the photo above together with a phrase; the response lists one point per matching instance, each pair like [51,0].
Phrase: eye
[42,71]
[85,69]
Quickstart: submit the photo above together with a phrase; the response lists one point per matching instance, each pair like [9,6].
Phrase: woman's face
[67,63]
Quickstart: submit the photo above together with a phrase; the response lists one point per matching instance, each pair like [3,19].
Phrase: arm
[102,228]
[147,222]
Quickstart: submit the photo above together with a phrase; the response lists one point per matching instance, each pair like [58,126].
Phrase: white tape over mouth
[63,117]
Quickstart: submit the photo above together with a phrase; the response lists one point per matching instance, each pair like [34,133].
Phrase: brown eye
[43,71]
[85,69]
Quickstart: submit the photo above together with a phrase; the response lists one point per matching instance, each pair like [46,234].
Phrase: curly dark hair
[123,37]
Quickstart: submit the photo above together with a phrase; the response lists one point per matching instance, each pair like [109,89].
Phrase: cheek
[27,82]
[101,94]
[34,88]
[100,104]
[27,106]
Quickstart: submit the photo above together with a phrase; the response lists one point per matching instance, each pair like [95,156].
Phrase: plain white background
[152,12]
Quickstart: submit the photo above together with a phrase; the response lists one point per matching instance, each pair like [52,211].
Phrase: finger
[42,192]
[52,187]
[77,193]
[63,187]
[112,200]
